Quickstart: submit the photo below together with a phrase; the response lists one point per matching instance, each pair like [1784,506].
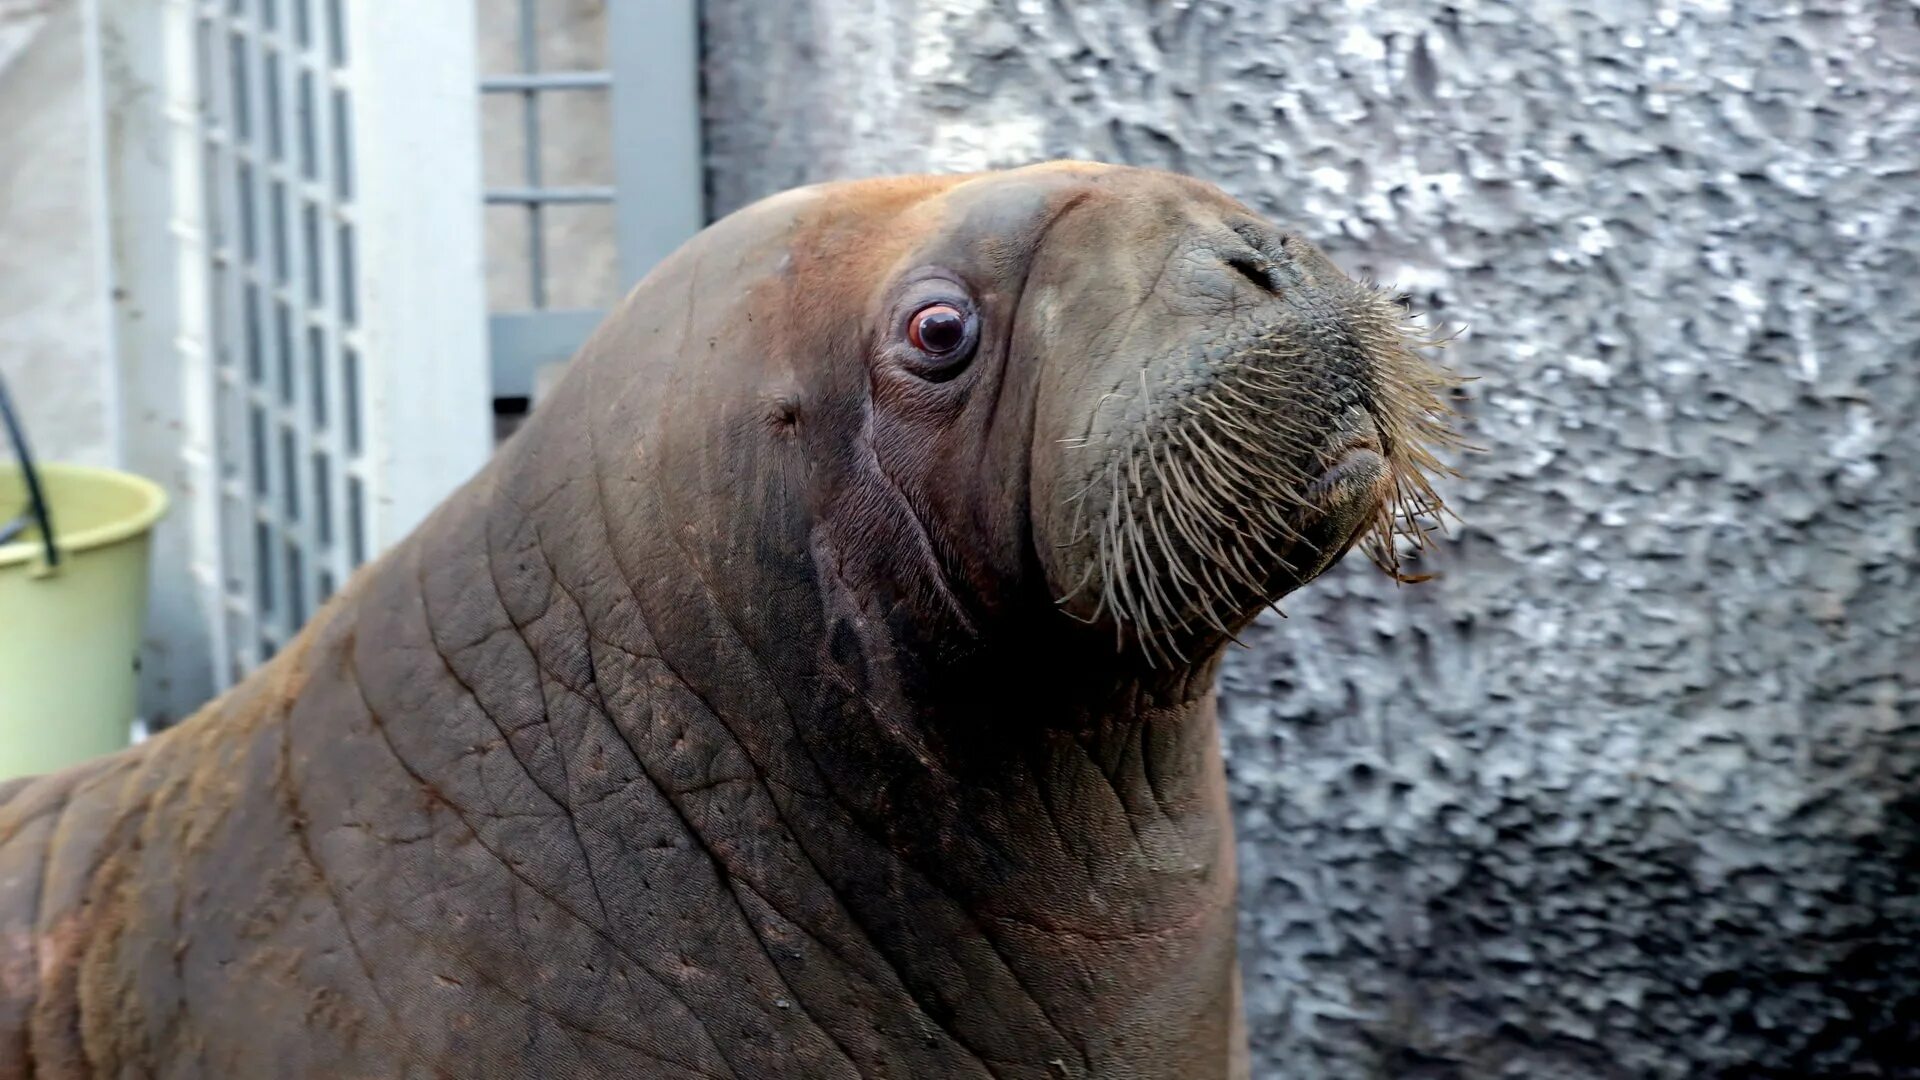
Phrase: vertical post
[141,82]
[421,272]
[653,51]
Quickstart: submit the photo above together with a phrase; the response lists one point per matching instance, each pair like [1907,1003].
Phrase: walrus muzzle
[1254,414]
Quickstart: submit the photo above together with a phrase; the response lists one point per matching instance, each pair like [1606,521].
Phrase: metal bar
[418,347]
[538,196]
[327,194]
[658,192]
[522,342]
[263,361]
[304,363]
[232,553]
[551,80]
[653,51]
[530,133]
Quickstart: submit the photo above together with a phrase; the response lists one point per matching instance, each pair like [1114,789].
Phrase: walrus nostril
[1255,269]
[1268,259]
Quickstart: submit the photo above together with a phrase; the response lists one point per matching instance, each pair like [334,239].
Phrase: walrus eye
[938,330]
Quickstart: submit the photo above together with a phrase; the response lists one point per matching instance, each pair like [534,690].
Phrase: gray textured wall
[1634,790]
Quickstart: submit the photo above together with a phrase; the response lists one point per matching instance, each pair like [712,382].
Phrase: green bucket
[70,632]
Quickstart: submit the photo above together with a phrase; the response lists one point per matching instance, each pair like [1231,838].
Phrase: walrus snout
[1248,414]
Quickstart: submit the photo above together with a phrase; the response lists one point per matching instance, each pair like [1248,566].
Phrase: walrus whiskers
[1179,572]
[1206,492]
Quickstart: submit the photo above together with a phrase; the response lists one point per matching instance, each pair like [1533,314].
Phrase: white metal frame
[299,303]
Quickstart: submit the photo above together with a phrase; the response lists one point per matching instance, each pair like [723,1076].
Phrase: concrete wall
[1634,789]
[52,322]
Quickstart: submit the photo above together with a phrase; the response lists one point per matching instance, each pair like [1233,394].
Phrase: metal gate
[304,354]
[298,316]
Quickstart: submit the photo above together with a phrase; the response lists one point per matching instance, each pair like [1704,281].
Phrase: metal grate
[282,350]
[657,189]
[535,196]
[298,305]
[299,315]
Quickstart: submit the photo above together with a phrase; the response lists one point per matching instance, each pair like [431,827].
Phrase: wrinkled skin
[730,723]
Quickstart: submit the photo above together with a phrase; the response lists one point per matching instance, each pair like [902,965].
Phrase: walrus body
[818,686]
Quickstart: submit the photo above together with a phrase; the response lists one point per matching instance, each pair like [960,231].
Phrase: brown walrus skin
[785,699]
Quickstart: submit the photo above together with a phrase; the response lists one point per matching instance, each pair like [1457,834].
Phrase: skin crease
[728,723]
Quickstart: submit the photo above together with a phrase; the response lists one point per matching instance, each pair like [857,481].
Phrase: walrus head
[1113,392]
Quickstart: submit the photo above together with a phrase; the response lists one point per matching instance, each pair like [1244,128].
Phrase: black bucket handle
[36,496]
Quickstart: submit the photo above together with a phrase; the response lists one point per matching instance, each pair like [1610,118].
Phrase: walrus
[820,684]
